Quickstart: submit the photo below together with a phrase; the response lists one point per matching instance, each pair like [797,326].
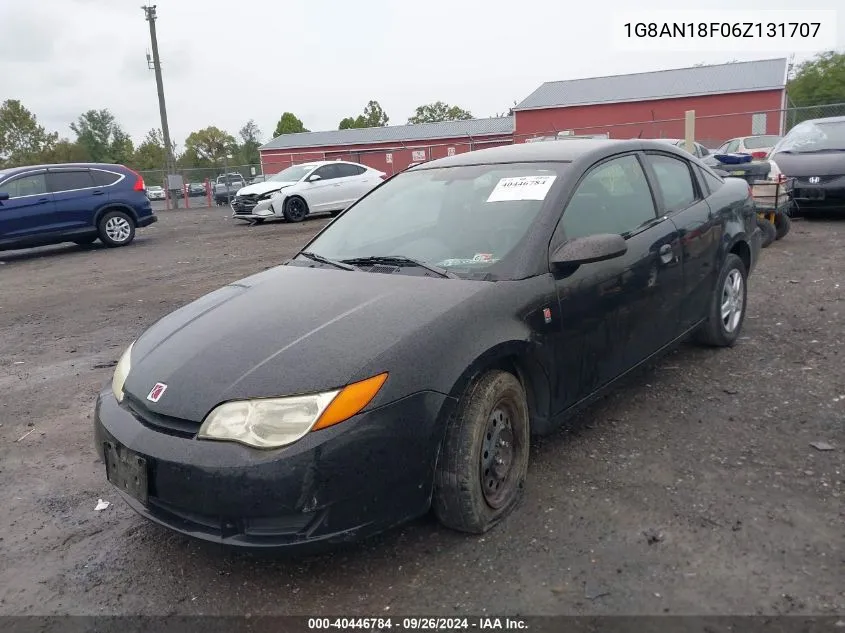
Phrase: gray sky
[226,62]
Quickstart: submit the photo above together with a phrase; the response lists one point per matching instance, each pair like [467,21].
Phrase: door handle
[43,200]
[667,255]
[96,193]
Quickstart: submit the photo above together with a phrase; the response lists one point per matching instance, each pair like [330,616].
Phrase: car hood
[288,330]
[261,188]
[806,165]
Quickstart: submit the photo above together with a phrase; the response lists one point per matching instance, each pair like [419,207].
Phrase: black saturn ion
[403,359]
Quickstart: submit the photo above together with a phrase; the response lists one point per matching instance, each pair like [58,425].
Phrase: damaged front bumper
[338,484]
[262,211]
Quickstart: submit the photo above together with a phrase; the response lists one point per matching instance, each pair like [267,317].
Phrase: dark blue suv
[48,204]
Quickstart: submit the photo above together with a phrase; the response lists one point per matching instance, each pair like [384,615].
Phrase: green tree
[65,151]
[374,116]
[210,144]
[289,124]
[103,139]
[439,111]
[251,141]
[22,140]
[818,81]
[150,153]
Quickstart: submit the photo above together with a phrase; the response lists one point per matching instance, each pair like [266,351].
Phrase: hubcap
[497,456]
[732,301]
[118,229]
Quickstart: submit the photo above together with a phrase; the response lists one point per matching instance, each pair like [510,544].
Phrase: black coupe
[402,360]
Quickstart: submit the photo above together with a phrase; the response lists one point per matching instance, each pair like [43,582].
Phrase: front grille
[163,423]
[244,204]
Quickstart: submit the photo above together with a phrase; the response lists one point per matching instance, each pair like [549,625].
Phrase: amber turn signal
[350,401]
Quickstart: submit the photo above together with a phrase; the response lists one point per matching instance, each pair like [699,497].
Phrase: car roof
[549,151]
[15,170]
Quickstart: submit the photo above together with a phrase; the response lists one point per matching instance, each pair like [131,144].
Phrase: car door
[29,209]
[321,194]
[616,313]
[681,197]
[76,196]
[349,185]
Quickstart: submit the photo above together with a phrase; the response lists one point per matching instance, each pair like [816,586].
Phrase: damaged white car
[300,190]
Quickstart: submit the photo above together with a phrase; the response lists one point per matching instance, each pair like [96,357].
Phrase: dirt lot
[708,452]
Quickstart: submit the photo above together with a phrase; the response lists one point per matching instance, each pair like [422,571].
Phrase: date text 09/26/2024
[416,624]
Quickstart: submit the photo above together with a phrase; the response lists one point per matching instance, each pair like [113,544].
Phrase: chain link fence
[198,175]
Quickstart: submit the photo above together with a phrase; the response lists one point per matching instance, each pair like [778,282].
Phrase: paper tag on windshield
[521,188]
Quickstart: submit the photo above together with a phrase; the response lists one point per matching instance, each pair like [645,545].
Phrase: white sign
[388,157]
[450,151]
[521,188]
[418,154]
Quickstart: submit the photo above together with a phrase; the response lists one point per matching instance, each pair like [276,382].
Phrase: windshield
[292,174]
[154,188]
[466,220]
[813,136]
[760,142]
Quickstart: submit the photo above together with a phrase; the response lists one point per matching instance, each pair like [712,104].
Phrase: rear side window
[674,181]
[69,180]
[712,180]
[28,185]
[104,178]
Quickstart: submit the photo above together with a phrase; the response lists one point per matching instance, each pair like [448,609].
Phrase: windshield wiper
[400,260]
[326,260]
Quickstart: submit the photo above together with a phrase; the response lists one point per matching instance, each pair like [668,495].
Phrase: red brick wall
[629,120]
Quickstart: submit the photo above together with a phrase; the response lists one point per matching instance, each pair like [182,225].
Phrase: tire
[769,231]
[719,330]
[295,209]
[782,225]
[116,228]
[85,241]
[469,495]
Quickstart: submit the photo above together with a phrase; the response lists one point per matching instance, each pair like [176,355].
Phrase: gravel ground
[691,490]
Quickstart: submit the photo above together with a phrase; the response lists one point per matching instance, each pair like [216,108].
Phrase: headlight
[268,195]
[276,422]
[121,372]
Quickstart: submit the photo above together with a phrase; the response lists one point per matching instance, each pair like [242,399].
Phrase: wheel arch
[116,206]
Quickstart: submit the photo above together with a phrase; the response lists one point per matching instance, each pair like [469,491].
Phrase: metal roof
[394,133]
[766,74]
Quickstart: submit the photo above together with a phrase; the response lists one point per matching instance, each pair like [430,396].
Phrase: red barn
[390,148]
[736,99]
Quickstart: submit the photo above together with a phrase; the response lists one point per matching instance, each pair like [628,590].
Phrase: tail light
[759,154]
[139,180]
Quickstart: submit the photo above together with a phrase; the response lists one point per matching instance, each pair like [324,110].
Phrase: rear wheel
[484,460]
[727,306]
[116,228]
[782,225]
[295,209]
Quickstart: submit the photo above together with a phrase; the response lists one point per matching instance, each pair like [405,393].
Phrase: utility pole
[155,64]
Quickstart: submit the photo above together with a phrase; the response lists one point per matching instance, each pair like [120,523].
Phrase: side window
[104,178]
[28,185]
[674,181]
[732,146]
[614,197]
[345,170]
[713,181]
[69,180]
[327,172]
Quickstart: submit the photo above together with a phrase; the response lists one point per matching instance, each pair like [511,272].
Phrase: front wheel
[727,306]
[295,209]
[484,460]
[116,228]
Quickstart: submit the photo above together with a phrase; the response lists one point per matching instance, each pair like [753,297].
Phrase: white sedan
[315,187]
[155,193]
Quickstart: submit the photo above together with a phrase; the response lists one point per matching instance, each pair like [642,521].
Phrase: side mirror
[314,178]
[589,249]
[4,195]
